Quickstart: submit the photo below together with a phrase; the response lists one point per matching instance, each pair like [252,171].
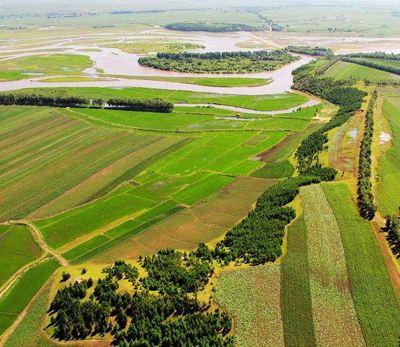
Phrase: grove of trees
[217,62]
[214,27]
[392,228]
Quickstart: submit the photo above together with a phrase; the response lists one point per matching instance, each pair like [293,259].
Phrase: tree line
[64,100]
[392,228]
[215,27]
[364,61]
[365,197]
[340,93]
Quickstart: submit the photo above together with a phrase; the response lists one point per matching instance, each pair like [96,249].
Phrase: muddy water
[116,62]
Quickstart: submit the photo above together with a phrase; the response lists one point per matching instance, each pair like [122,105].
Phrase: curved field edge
[374,299]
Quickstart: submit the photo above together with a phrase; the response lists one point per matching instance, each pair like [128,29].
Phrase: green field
[43,65]
[256,102]
[153,46]
[389,166]
[18,248]
[375,302]
[19,296]
[345,70]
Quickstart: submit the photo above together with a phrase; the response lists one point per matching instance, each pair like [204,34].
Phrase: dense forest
[216,62]
[214,27]
[340,93]
[168,315]
[365,197]
[65,100]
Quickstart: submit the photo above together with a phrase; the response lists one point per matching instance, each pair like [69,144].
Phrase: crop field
[37,144]
[345,70]
[297,311]
[18,248]
[205,221]
[335,319]
[18,297]
[256,102]
[43,65]
[389,167]
[374,300]
[256,306]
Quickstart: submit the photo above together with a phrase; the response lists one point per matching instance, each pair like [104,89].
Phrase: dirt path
[394,274]
[38,238]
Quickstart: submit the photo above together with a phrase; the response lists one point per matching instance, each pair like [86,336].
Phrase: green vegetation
[392,228]
[256,306]
[314,51]
[165,316]
[365,197]
[350,70]
[389,166]
[275,170]
[374,300]
[334,316]
[99,159]
[29,331]
[18,248]
[43,65]
[297,310]
[225,62]
[150,46]
[62,99]
[214,27]
[19,296]
[255,102]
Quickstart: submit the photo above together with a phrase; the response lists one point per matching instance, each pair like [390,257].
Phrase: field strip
[252,296]
[375,302]
[334,315]
[38,237]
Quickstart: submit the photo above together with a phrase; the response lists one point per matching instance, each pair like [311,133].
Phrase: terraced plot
[69,161]
[18,248]
[389,166]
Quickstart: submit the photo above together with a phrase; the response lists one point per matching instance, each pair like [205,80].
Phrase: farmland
[345,70]
[389,166]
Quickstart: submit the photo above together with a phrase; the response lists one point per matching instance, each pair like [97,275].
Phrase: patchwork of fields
[334,285]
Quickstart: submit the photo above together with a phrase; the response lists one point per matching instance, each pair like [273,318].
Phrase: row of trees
[365,197]
[141,319]
[65,100]
[217,62]
[214,27]
[375,55]
[348,98]
[392,228]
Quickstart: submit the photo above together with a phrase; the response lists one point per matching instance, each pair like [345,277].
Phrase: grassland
[389,166]
[256,306]
[43,65]
[375,302]
[18,248]
[345,70]
[335,319]
[256,102]
[153,46]
[19,296]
